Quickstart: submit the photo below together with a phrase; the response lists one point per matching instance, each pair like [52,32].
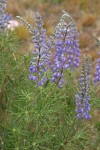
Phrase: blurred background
[86,14]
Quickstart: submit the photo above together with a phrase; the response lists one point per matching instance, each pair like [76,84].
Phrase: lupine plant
[67,48]
[36,115]
[66,54]
[41,53]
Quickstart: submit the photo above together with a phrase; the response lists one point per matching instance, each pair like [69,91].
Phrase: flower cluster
[67,48]
[97,73]
[41,53]
[4,18]
[65,43]
[82,97]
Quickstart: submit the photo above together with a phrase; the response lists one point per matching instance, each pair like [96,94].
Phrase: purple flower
[41,60]
[4,18]
[42,81]
[64,41]
[31,77]
[41,52]
[32,69]
[82,97]
[67,48]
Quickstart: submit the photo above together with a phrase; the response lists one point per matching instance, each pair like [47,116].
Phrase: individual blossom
[97,73]
[41,53]
[4,17]
[67,50]
[82,97]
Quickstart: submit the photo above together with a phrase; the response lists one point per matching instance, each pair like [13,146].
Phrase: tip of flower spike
[29,27]
[65,13]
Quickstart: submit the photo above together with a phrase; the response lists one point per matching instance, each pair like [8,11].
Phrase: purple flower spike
[67,48]
[82,97]
[41,52]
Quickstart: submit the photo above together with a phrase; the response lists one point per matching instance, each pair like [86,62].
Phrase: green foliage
[37,119]
[7,63]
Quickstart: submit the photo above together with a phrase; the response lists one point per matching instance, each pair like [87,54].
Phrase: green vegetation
[48,117]
[43,118]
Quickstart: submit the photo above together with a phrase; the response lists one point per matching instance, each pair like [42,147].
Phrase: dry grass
[88,20]
[22,32]
[84,40]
